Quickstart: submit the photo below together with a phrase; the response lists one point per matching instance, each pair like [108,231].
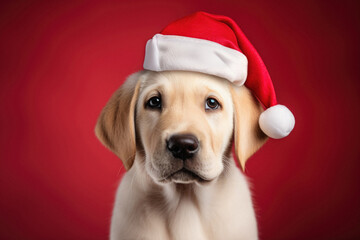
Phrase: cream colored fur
[151,205]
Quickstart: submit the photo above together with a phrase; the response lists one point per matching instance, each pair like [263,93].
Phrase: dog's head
[182,124]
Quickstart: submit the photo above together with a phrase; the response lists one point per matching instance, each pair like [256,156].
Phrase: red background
[61,60]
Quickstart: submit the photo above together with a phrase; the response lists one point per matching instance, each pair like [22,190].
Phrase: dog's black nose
[183,146]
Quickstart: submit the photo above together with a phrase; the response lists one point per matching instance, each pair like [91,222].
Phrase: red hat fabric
[215,45]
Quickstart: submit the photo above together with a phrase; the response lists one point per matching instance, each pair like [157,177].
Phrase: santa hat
[215,45]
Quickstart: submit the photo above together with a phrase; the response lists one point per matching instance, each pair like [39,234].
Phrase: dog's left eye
[154,102]
[211,104]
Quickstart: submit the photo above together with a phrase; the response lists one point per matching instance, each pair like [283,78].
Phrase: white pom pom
[277,121]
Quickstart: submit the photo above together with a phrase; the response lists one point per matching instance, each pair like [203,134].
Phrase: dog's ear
[248,137]
[115,127]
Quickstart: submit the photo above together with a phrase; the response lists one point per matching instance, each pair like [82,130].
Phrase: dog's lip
[193,176]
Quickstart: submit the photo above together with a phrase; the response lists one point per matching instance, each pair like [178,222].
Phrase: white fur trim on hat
[277,121]
[170,52]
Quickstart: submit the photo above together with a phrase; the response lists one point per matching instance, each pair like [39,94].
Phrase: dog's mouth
[185,176]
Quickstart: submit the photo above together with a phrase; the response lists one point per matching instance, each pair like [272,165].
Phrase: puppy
[174,132]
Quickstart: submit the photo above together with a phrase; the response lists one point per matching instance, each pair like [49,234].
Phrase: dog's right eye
[154,103]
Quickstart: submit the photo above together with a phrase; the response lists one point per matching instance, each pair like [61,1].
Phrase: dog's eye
[154,102]
[211,104]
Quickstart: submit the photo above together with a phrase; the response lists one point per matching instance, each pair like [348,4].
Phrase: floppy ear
[115,127]
[248,137]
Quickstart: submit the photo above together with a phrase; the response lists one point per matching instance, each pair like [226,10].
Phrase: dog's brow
[211,92]
[151,89]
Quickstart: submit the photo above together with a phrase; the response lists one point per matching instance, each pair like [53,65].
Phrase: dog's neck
[193,211]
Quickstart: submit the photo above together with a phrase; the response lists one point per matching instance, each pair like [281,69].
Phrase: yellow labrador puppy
[174,132]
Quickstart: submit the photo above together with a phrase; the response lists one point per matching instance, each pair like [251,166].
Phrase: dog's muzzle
[183,147]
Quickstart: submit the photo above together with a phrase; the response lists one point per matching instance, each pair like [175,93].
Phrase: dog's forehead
[181,81]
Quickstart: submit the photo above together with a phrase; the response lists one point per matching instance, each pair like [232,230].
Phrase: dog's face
[185,123]
[181,124]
